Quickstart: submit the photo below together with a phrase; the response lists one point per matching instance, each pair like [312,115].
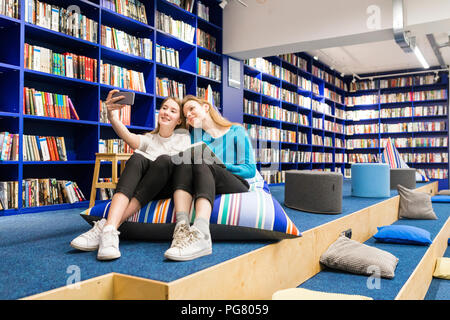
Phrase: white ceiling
[381,56]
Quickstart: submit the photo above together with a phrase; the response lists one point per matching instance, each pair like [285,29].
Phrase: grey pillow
[445,192]
[415,204]
[351,256]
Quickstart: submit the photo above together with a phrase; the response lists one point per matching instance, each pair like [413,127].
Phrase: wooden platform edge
[111,286]
[258,274]
[417,285]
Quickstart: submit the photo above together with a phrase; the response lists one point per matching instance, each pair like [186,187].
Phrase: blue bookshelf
[82,136]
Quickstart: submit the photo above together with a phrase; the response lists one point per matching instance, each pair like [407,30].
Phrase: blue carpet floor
[439,288]
[330,280]
[35,253]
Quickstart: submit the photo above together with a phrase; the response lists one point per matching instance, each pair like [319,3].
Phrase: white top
[152,145]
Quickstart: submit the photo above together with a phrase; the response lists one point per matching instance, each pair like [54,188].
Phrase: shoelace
[108,238]
[180,233]
[94,232]
[192,237]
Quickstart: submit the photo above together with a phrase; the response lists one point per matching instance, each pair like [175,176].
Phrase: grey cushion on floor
[445,192]
[415,204]
[314,191]
[349,255]
[403,176]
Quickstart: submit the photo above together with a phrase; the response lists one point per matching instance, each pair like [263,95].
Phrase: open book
[197,153]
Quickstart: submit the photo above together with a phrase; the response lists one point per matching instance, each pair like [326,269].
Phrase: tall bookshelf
[82,136]
[308,88]
[411,109]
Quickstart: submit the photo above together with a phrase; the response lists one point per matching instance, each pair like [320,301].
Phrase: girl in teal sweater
[202,181]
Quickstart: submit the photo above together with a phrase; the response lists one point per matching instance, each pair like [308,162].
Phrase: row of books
[271,176]
[267,155]
[123,114]
[204,92]
[168,56]
[205,40]
[361,143]
[295,156]
[9,146]
[117,39]
[133,9]
[264,65]
[418,142]
[437,157]
[270,133]
[322,107]
[47,104]
[121,77]
[318,157]
[61,20]
[113,146]
[39,148]
[187,5]
[177,28]
[270,90]
[105,193]
[413,127]
[9,195]
[202,10]
[396,97]
[315,89]
[170,88]
[327,77]
[10,8]
[289,76]
[65,64]
[209,69]
[436,173]
[361,128]
[392,83]
[295,60]
[43,192]
[252,83]
[363,157]
[289,96]
[333,96]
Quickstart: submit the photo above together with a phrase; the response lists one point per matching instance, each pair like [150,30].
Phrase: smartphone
[128,97]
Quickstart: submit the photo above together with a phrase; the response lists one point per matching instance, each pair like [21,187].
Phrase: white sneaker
[89,240]
[193,246]
[108,248]
[181,232]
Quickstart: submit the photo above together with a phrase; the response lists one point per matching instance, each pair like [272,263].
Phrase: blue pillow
[403,234]
[440,198]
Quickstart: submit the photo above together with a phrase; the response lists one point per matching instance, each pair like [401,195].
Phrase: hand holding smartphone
[128,97]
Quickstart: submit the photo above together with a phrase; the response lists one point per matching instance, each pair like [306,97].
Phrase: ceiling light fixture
[316,58]
[421,58]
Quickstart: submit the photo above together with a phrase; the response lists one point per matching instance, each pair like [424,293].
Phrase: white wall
[269,27]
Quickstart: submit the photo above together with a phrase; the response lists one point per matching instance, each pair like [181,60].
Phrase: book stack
[61,20]
[168,56]
[43,192]
[122,41]
[317,140]
[271,176]
[121,77]
[290,116]
[202,11]
[303,83]
[9,195]
[209,69]
[187,5]
[422,111]
[436,173]
[327,141]
[430,95]
[397,97]
[317,123]
[315,89]
[265,66]
[132,9]
[394,113]
[395,82]
[9,146]
[366,99]
[302,138]
[65,64]
[113,146]
[363,157]
[361,128]
[339,157]
[270,90]
[289,76]
[251,107]
[105,193]
[10,8]
[46,104]
[177,28]
[206,40]
[268,155]
[251,83]
[361,143]
[321,107]
[288,136]
[170,88]
[38,148]
[364,85]
[269,111]
[332,95]
[123,114]
[203,93]
[318,157]
[289,96]
[424,80]
[304,102]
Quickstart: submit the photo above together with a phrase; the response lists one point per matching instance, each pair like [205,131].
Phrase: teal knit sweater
[233,148]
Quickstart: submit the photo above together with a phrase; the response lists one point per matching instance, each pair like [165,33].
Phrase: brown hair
[215,115]
[183,124]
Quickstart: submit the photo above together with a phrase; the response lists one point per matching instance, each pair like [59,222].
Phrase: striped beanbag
[253,215]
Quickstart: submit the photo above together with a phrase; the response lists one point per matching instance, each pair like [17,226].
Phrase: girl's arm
[245,165]
[133,140]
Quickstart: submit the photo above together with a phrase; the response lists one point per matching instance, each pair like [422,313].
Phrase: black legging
[207,180]
[147,180]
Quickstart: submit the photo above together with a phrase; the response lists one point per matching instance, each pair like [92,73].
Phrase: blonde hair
[215,115]
[183,124]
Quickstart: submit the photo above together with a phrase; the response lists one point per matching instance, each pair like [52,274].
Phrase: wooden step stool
[114,158]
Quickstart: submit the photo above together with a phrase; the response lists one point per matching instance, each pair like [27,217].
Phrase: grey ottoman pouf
[403,176]
[314,191]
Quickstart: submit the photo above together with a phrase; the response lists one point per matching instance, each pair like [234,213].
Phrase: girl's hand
[111,104]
